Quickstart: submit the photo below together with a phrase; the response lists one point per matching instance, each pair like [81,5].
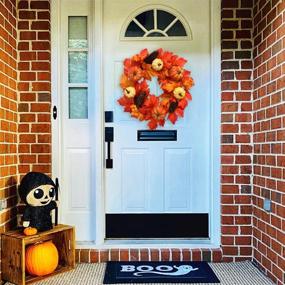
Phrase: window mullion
[170,25]
[155,18]
[140,25]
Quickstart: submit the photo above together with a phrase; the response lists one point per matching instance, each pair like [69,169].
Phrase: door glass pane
[77,32]
[134,30]
[77,67]
[78,103]
[164,19]
[177,30]
[146,19]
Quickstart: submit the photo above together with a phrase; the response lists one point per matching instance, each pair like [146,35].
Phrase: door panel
[79,188]
[178,191]
[160,176]
[135,178]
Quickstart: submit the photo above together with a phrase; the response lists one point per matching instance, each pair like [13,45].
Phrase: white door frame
[96,54]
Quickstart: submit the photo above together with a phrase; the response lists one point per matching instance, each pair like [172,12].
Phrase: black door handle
[109,137]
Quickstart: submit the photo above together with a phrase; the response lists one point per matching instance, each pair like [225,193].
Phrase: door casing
[96,41]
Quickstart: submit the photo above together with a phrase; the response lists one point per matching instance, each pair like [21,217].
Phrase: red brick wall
[269,137]
[34,86]
[236,128]
[8,113]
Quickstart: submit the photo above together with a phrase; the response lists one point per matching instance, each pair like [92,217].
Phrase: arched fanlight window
[154,23]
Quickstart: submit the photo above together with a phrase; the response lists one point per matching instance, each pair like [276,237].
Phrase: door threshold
[148,243]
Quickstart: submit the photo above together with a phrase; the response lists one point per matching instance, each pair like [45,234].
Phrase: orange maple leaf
[123,101]
[149,72]
[179,61]
[152,124]
[127,63]
[182,104]
[168,86]
[172,118]
[125,82]
[188,96]
[159,113]
[165,102]
[140,56]
[151,101]
[134,73]
[179,112]
[142,87]
[187,82]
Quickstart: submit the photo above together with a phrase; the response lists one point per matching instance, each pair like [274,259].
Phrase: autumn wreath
[174,81]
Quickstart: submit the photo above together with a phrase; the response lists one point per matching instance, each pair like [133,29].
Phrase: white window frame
[165,8]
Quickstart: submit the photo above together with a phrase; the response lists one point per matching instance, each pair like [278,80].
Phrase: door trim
[96,55]
[55,87]
[215,214]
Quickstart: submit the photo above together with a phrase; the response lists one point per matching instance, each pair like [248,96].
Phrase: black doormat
[159,272]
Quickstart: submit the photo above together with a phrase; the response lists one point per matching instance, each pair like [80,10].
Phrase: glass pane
[164,19]
[77,32]
[156,34]
[177,30]
[78,103]
[146,19]
[134,30]
[77,67]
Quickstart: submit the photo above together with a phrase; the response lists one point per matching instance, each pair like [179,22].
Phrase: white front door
[158,176]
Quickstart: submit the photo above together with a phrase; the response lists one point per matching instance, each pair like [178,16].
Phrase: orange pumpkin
[41,259]
[176,73]
[30,231]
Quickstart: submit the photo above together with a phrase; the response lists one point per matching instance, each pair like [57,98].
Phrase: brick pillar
[236,129]
[8,113]
[269,138]
[34,86]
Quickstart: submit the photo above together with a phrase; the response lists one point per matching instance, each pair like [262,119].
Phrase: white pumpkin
[130,92]
[157,64]
[179,93]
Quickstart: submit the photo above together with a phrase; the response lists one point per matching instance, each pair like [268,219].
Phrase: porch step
[148,254]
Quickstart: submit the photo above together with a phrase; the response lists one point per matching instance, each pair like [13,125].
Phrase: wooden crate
[14,245]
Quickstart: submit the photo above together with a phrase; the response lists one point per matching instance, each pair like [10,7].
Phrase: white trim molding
[55,87]
[215,220]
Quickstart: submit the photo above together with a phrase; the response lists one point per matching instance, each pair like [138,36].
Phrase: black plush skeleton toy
[38,191]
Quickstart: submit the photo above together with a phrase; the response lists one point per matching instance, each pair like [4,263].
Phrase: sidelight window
[77,67]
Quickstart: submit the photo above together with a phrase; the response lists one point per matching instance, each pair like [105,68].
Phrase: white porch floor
[240,273]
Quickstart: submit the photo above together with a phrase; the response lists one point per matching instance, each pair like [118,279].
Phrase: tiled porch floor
[242,273]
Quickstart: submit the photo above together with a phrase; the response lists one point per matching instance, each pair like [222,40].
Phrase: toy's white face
[41,195]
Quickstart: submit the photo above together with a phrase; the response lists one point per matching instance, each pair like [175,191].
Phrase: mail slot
[160,135]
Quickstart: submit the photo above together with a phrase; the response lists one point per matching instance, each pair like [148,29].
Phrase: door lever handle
[109,137]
